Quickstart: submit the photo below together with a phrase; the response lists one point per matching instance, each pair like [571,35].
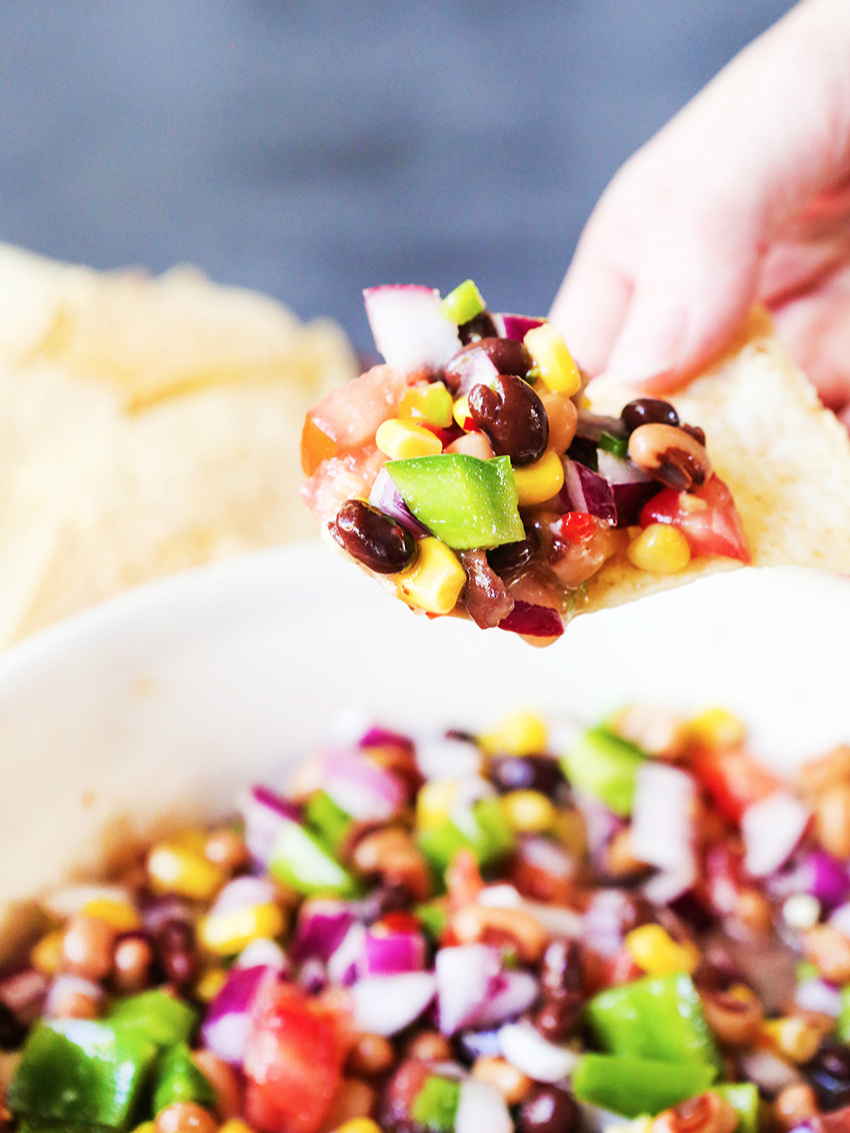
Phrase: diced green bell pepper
[328,819]
[80,1073]
[301,861]
[659,1017]
[463,303]
[435,1106]
[606,766]
[179,1080]
[161,1017]
[744,1099]
[465,501]
[434,916]
[635,1086]
[611,442]
[483,829]
[842,1023]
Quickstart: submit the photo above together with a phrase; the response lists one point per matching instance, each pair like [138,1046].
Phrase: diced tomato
[294,1060]
[348,418]
[706,517]
[393,923]
[733,779]
[575,527]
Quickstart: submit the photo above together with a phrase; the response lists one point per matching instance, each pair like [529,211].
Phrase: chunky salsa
[469,476]
[493,932]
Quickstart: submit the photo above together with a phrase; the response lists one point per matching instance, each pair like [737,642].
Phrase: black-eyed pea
[227,849]
[392,855]
[619,860]
[371,1055]
[706,1113]
[670,455]
[793,1105]
[735,1015]
[185,1117]
[474,923]
[511,1083]
[87,947]
[429,1046]
[832,820]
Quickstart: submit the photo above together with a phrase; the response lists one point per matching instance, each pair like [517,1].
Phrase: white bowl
[155,707]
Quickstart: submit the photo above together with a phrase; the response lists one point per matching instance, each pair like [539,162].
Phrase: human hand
[743,197]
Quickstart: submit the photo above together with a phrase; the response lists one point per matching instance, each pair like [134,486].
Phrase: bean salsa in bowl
[606,910]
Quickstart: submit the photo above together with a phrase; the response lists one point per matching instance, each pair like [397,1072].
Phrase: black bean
[512,416]
[547,1109]
[506,354]
[526,773]
[828,1074]
[560,967]
[478,327]
[558,1017]
[177,952]
[648,411]
[511,559]
[12,1030]
[373,538]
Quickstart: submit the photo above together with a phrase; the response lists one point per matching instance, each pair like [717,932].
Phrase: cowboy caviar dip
[468,475]
[465,935]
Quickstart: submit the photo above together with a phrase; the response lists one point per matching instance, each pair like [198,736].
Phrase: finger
[815,329]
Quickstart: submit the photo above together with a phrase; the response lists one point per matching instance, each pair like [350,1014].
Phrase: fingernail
[649,343]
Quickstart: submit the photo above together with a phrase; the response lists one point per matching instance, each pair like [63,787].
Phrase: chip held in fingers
[474,474]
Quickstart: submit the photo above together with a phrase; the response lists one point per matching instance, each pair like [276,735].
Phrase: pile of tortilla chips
[146,425]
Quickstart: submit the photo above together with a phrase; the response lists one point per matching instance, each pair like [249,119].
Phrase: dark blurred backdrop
[312,149]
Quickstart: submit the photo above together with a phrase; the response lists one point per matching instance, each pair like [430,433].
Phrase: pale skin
[742,198]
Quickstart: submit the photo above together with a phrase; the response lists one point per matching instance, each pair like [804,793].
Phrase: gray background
[312,149]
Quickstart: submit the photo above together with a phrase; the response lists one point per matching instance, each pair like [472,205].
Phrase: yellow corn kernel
[657,954]
[528,812]
[120,915]
[210,983]
[434,580]
[717,727]
[795,1038]
[659,548]
[225,934]
[173,869]
[460,411]
[431,403]
[520,733]
[146,1127]
[46,954]
[553,360]
[235,1126]
[401,440]
[570,830]
[636,1125]
[357,1125]
[540,481]
[435,802]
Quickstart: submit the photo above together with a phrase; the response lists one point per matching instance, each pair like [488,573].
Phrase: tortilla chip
[146,426]
[785,458]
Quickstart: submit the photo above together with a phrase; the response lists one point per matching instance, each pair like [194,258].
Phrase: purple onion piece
[591,426]
[630,499]
[515,326]
[386,955]
[380,737]
[387,498]
[480,1043]
[533,621]
[830,882]
[227,1024]
[322,926]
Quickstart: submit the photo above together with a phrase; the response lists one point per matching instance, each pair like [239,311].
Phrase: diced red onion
[386,497]
[546,855]
[409,327]
[532,620]
[479,1044]
[321,928]
[66,985]
[263,953]
[346,962]
[448,759]
[591,426]
[472,368]
[772,829]
[525,1048]
[227,1025]
[585,490]
[389,953]
[377,736]
[464,973]
[509,993]
[384,1005]
[631,487]
[481,1106]
[264,813]
[830,881]
[361,788]
[818,995]
[840,919]
[312,976]
[662,830]
[603,921]
[515,326]
[241,893]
